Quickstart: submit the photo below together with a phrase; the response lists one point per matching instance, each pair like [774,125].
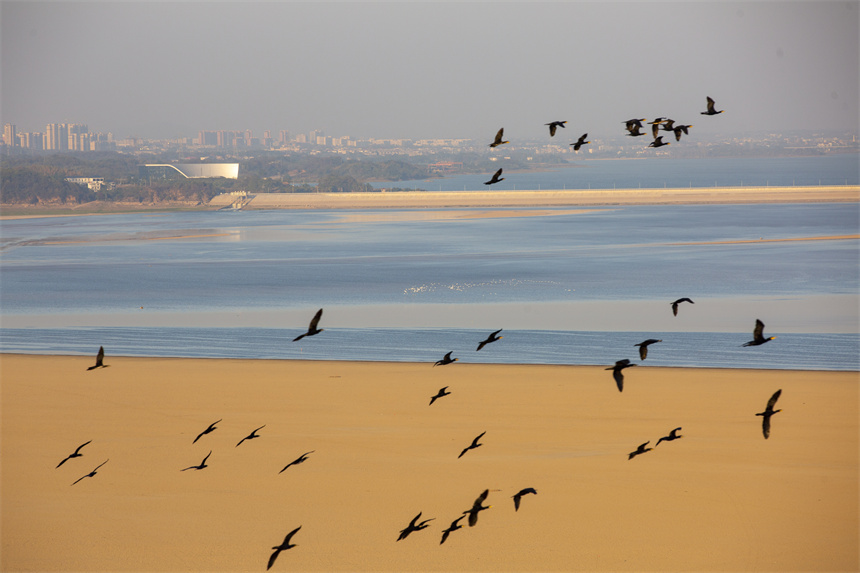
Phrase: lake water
[569,286]
[660,172]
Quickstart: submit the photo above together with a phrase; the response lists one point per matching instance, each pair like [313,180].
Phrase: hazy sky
[428,69]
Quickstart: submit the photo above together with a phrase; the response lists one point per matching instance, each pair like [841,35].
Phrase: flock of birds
[478,505]
[634,129]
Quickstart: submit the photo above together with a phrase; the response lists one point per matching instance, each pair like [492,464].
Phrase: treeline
[41,178]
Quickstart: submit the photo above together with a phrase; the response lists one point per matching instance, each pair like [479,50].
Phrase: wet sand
[722,498]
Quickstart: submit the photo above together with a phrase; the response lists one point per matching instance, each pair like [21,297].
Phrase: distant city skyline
[417,70]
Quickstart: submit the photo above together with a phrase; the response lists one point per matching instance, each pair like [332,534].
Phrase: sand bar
[545,198]
[722,498]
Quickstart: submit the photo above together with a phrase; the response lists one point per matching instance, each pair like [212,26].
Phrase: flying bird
[517,496]
[473,445]
[202,464]
[455,525]
[768,412]
[299,460]
[673,435]
[634,132]
[498,140]
[643,347]
[580,142]
[658,142]
[446,360]
[251,436]
[312,328]
[632,124]
[711,110]
[640,450]
[655,125]
[283,546]
[553,126]
[92,473]
[476,508]
[413,526]
[681,129]
[211,428]
[76,454]
[677,302]
[617,374]
[495,178]
[491,338]
[440,394]
[758,335]
[100,359]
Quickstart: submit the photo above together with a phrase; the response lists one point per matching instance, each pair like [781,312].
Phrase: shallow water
[174,281]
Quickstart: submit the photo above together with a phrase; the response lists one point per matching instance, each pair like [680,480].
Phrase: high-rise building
[9,136]
[56,137]
[285,136]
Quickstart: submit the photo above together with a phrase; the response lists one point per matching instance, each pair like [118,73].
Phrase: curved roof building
[192,170]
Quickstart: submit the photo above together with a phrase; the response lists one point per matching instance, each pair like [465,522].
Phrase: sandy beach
[722,498]
[542,198]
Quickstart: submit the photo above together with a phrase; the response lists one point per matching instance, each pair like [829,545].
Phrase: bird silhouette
[658,142]
[446,360]
[476,508]
[643,347]
[413,526]
[681,129]
[657,123]
[455,525]
[282,547]
[634,132]
[491,338]
[251,436]
[673,435]
[498,140]
[299,460]
[76,454]
[473,445]
[768,412]
[517,496]
[758,335]
[553,126]
[100,359]
[495,178]
[92,473]
[580,142]
[312,328]
[711,110]
[640,450]
[617,374]
[202,464]
[632,124]
[677,302]
[211,428]
[440,394]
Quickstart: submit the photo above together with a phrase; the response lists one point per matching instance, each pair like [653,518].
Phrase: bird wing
[100,356]
[497,174]
[765,426]
[772,402]
[272,558]
[315,320]
[619,379]
[552,127]
[81,446]
[475,444]
[206,458]
[482,344]
[290,535]
[499,135]
[517,501]
[643,351]
[711,103]
[758,331]
[675,308]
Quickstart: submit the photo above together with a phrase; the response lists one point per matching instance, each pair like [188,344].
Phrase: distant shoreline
[461,199]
